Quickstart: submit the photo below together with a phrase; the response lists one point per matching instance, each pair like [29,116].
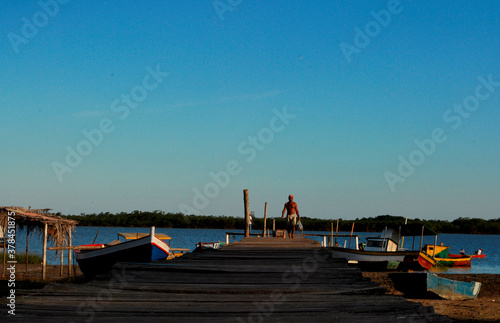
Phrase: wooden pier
[254,280]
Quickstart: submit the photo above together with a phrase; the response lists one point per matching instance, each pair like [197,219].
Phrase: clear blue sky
[358,108]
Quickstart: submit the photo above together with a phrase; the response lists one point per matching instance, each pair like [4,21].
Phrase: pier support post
[70,259]
[44,261]
[27,249]
[265,219]
[247,213]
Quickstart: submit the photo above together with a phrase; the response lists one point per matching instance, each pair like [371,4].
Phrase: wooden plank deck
[255,280]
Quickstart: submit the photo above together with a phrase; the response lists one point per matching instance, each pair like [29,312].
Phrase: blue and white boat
[96,259]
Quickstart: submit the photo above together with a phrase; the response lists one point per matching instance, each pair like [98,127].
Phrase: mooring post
[265,219]
[336,232]
[352,230]
[422,241]
[330,243]
[27,249]
[44,261]
[247,213]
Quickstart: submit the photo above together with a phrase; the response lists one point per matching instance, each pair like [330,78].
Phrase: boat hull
[426,261]
[463,261]
[471,256]
[101,261]
[376,260]
[426,285]
[202,246]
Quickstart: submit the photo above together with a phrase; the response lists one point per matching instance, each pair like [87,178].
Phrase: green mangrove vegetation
[372,224]
[21,258]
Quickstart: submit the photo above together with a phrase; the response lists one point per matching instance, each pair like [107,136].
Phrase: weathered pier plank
[255,280]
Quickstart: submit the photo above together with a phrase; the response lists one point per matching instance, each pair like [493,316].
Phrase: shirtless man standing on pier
[290,208]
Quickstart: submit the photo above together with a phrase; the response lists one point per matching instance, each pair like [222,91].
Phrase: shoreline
[34,274]
[485,308]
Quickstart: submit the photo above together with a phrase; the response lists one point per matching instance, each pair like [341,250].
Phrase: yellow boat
[443,258]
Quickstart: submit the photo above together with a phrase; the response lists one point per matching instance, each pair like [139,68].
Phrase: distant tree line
[373,224]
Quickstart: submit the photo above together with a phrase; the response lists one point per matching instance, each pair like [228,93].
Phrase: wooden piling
[352,230]
[27,248]
[331,239]
[336,232]
[247,213]
[422,239]
[265,219]
[70,260]
[44,261]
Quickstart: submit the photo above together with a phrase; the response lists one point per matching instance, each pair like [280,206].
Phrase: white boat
[382,252]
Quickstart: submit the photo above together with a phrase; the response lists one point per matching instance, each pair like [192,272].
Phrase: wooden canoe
[99,259]
[427,285]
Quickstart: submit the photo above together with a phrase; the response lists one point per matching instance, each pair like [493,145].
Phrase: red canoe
[472,256]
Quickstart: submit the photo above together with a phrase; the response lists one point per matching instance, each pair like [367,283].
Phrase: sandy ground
[34,272]
[485,308]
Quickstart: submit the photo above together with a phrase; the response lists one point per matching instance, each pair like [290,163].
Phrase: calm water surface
[187,238]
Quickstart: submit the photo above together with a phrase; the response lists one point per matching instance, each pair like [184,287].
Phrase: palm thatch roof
[34,220]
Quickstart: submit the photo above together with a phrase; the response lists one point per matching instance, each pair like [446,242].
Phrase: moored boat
[96,259]
[374,260]
[382,252]
[427,285]
[443,258]
[478,256]
[426,261]
[207,246]
[472,256]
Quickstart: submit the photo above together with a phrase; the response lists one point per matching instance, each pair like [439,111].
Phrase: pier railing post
[247,213]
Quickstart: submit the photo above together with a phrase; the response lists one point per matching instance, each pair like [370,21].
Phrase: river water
[187,238]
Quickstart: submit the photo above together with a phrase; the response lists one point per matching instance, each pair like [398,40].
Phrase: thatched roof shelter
[35,219]
[38,220]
